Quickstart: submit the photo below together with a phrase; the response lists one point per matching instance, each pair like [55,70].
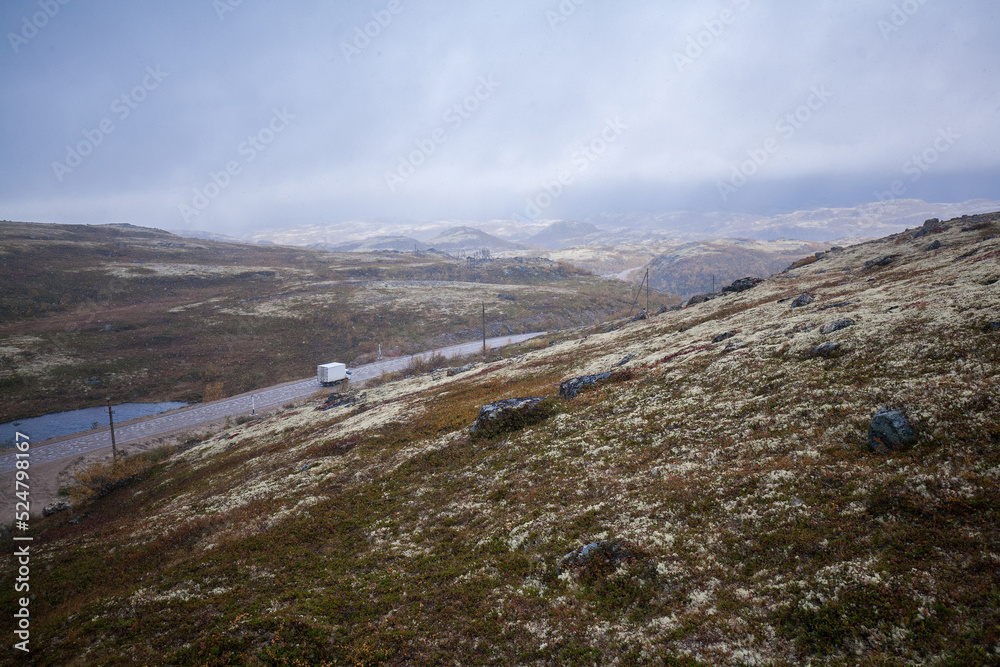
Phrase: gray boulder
[570,388]
[837,325]
[723,336]
[509,414]
[933,246]
[803,300]
[891,431]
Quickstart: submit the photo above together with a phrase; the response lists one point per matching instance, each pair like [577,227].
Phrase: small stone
[933,246]
[570,388]
[723,336]
[993,326]
[827,350]
[803,300]
[624,361]
[837,325]
[607,553]
[890,431]
[733,346]
[933,222]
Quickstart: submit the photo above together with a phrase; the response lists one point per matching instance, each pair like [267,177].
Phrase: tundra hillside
[143,315]
[713,501]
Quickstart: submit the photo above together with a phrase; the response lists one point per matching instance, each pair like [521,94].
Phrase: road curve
[189,417]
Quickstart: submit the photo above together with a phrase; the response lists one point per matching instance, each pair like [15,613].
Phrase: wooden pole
[647,292]
[111,419]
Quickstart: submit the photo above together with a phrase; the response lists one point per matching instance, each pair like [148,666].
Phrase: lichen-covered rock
[60,506]
[452,372]
[742,285]
[607,554]
[837,325]
[803,300]
[881,261]
[827,351]
[891,431]
[509,415]
[700,298]
[570,388]
[723,336]
[934,246]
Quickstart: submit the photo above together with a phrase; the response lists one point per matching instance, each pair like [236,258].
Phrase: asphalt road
[193,416]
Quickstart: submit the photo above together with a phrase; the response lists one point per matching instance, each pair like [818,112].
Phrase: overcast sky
[229,115]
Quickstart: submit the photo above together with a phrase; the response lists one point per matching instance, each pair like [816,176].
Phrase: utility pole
[647,292]
[713,283]
[484,331]
[380,327]
[111,419]
[253,405]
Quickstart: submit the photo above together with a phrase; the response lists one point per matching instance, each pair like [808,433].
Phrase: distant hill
[467,240]
[689,269]
[376,243]
[565,233]
[207,236]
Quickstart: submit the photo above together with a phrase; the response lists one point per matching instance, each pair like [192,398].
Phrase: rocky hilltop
[800,471]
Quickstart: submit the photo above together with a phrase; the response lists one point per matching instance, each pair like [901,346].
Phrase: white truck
[331,374]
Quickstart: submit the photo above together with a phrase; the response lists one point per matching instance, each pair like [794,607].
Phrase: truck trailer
[331,374]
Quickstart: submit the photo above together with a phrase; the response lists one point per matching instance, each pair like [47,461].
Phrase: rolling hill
[135,314]
[716,499]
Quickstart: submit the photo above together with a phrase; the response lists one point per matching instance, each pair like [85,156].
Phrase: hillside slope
[143,315]
[737,512]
